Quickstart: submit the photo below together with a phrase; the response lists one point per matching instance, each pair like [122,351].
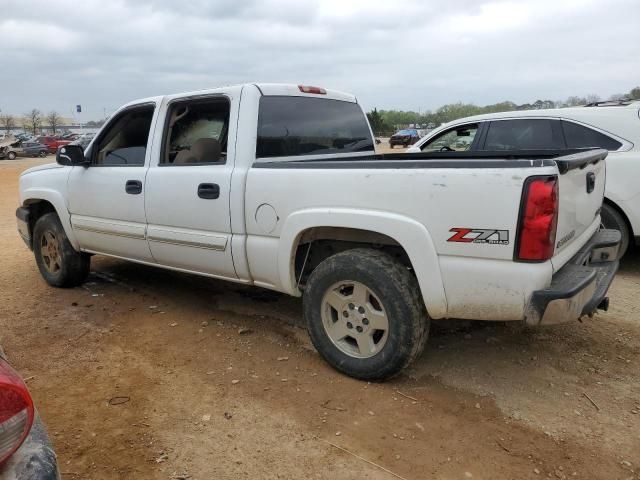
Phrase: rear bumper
[34,460]
[580,287]
[22,218]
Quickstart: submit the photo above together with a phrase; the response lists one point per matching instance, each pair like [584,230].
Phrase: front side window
[534,134]
[579,136]
[124,143]
[458,139]
[293,126]
[197,132]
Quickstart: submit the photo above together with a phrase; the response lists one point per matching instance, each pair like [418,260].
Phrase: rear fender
[411,235]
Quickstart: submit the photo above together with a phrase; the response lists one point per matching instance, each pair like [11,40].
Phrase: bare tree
[54,120]
[593,98]
[8,122]
[33,120]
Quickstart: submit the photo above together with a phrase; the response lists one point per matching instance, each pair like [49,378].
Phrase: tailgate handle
[591,182]
[209,191]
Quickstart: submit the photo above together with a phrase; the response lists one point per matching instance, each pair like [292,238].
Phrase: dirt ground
[150,374]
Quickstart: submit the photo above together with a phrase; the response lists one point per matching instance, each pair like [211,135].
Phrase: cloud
[401,54]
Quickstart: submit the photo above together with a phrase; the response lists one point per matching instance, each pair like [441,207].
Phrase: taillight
[308,89]
[536,234]
[16,411]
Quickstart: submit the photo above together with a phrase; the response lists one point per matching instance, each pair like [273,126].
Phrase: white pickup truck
[279,186]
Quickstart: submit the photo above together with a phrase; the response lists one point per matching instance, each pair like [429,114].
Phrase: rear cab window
[524,134]
[290,126]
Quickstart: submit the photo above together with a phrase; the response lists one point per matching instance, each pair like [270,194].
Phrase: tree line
[387,121]
[34,120]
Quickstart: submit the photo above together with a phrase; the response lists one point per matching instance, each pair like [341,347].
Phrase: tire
[391,146]
[390,291]
[11,155]
[43,153]
[611,218]
[59,264]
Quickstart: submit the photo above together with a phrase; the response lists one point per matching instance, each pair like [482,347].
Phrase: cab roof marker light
[310,89]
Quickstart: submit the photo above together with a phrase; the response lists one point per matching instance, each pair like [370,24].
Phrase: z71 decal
[480,235]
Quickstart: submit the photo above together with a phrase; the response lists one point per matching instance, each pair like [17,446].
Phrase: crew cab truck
[279,186]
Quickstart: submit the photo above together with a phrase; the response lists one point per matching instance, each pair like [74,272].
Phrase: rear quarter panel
[438,199]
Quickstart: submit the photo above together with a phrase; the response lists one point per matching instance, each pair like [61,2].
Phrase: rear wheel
[11,155]
[59,264]
[612,219]
[365,314]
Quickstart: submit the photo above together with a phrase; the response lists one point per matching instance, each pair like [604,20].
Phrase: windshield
[407,132]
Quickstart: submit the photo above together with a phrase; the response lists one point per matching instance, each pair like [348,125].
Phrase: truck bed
[565,159]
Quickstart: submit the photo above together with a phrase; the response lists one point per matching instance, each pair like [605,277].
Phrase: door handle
[133,187]
[209,191]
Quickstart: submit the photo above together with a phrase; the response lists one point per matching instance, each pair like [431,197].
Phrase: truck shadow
[472,346]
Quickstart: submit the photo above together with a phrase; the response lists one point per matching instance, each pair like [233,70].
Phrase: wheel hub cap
[354,319]
[50,252]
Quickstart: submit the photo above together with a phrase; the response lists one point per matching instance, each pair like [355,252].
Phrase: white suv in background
[614,126]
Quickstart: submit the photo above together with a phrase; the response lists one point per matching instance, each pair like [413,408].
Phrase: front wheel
[43,153]
[11,155]
[365,314]
[59,264]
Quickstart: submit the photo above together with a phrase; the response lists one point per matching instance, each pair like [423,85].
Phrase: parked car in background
[23,137]
[52,143]
[404,137]
[279,186]
[34,149]
[8,147]
[84,140]
[614,126]
[22,149]
[25,450]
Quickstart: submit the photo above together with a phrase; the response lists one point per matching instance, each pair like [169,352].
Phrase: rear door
[188,185]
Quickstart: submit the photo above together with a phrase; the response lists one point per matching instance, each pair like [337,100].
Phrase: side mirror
[72,155]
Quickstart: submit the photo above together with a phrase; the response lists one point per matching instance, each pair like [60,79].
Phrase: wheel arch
[363,227]
[42,201]
[608,201]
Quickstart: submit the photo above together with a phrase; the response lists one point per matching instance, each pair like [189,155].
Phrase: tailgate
[581,187]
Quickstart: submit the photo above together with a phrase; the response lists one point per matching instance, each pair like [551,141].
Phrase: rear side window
[196,132]
[525,134]
[293,126]
[579,136]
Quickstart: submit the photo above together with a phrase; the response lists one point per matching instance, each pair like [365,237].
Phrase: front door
[187,187]
[106,200]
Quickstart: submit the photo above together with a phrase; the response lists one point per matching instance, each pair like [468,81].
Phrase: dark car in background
[35,149]
[25,449]
[23,149]
[404,137]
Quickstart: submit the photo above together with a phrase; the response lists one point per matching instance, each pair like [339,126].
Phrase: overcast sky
[401,54]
